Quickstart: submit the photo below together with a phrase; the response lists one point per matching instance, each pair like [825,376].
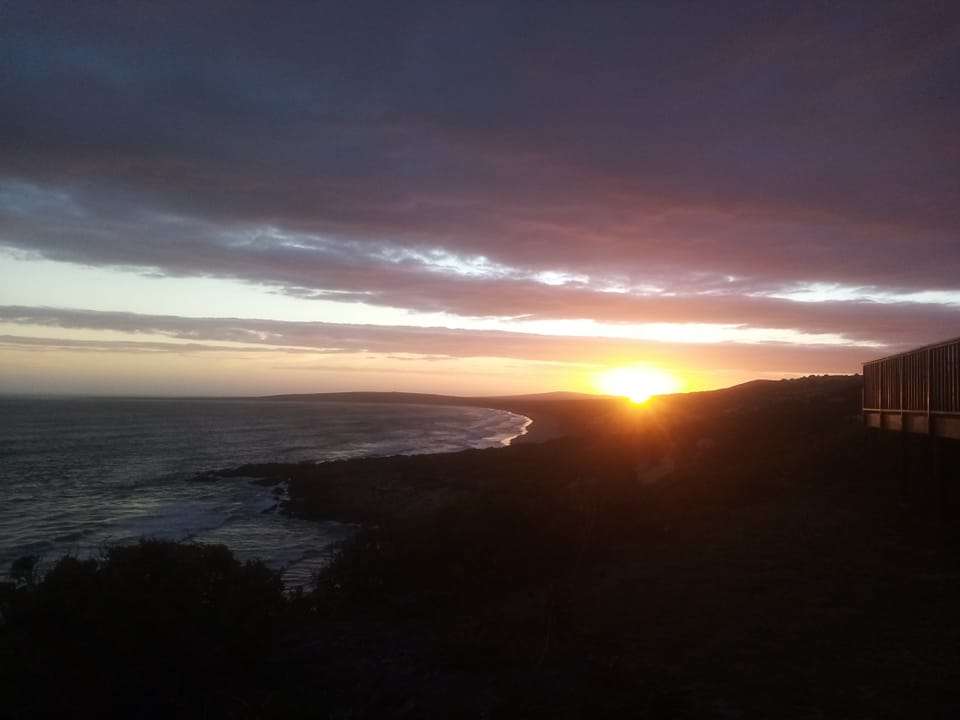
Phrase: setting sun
[636,383]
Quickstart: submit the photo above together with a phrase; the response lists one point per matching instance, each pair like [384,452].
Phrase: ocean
[79,474]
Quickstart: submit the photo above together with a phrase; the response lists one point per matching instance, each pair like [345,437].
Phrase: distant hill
[561,414]
[555,414]
[431,399]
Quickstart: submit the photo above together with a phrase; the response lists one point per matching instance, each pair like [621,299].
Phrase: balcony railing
[915,391]
[925,380]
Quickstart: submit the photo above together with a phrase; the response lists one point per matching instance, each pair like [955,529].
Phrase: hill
[749,552]
[431,399]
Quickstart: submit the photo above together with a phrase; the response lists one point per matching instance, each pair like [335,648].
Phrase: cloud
[72,227]
[449,343]
[497,159]
[127,346]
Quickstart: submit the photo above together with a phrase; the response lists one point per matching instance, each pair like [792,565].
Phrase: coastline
[484,573]
[367,490]
[555,419]
[539,428]
[551,415]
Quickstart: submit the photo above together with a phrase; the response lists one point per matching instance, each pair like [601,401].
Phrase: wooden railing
[925,380]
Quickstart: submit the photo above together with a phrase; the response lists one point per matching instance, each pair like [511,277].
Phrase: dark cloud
[667,144]
[74,228]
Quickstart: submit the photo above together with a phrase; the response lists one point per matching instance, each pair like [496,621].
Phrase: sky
[471,198]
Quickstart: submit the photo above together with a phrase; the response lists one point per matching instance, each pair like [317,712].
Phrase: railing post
[880,391]
[900,380]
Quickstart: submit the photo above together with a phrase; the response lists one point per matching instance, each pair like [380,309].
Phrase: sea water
[80,474]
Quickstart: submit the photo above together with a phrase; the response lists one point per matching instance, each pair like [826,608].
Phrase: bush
[156,628]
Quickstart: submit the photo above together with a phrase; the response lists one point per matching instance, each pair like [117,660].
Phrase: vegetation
[750,553]
[149,630]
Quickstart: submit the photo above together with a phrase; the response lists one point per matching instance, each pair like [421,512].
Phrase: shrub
[151,629]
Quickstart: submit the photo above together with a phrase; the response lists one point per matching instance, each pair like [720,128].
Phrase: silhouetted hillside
[741,553]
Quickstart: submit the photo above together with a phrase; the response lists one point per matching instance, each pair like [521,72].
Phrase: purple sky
[755,187]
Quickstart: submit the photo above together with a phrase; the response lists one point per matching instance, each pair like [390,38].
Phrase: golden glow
[636,383]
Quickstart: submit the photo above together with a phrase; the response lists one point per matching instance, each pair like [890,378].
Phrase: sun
[636,383]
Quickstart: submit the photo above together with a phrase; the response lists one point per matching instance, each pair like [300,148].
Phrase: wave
[82,480]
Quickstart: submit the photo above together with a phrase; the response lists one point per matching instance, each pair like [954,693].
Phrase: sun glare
[636,383]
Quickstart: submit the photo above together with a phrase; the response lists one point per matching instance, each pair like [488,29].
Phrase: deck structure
[917,391]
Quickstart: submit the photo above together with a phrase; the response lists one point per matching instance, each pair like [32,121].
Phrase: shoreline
[554,419]
[539,428]
[367,489]
[551,415]
[354,490]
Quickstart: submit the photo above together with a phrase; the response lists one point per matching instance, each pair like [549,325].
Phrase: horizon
[584,394]
[475,200]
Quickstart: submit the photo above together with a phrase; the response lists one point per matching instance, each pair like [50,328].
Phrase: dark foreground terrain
[740,554]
